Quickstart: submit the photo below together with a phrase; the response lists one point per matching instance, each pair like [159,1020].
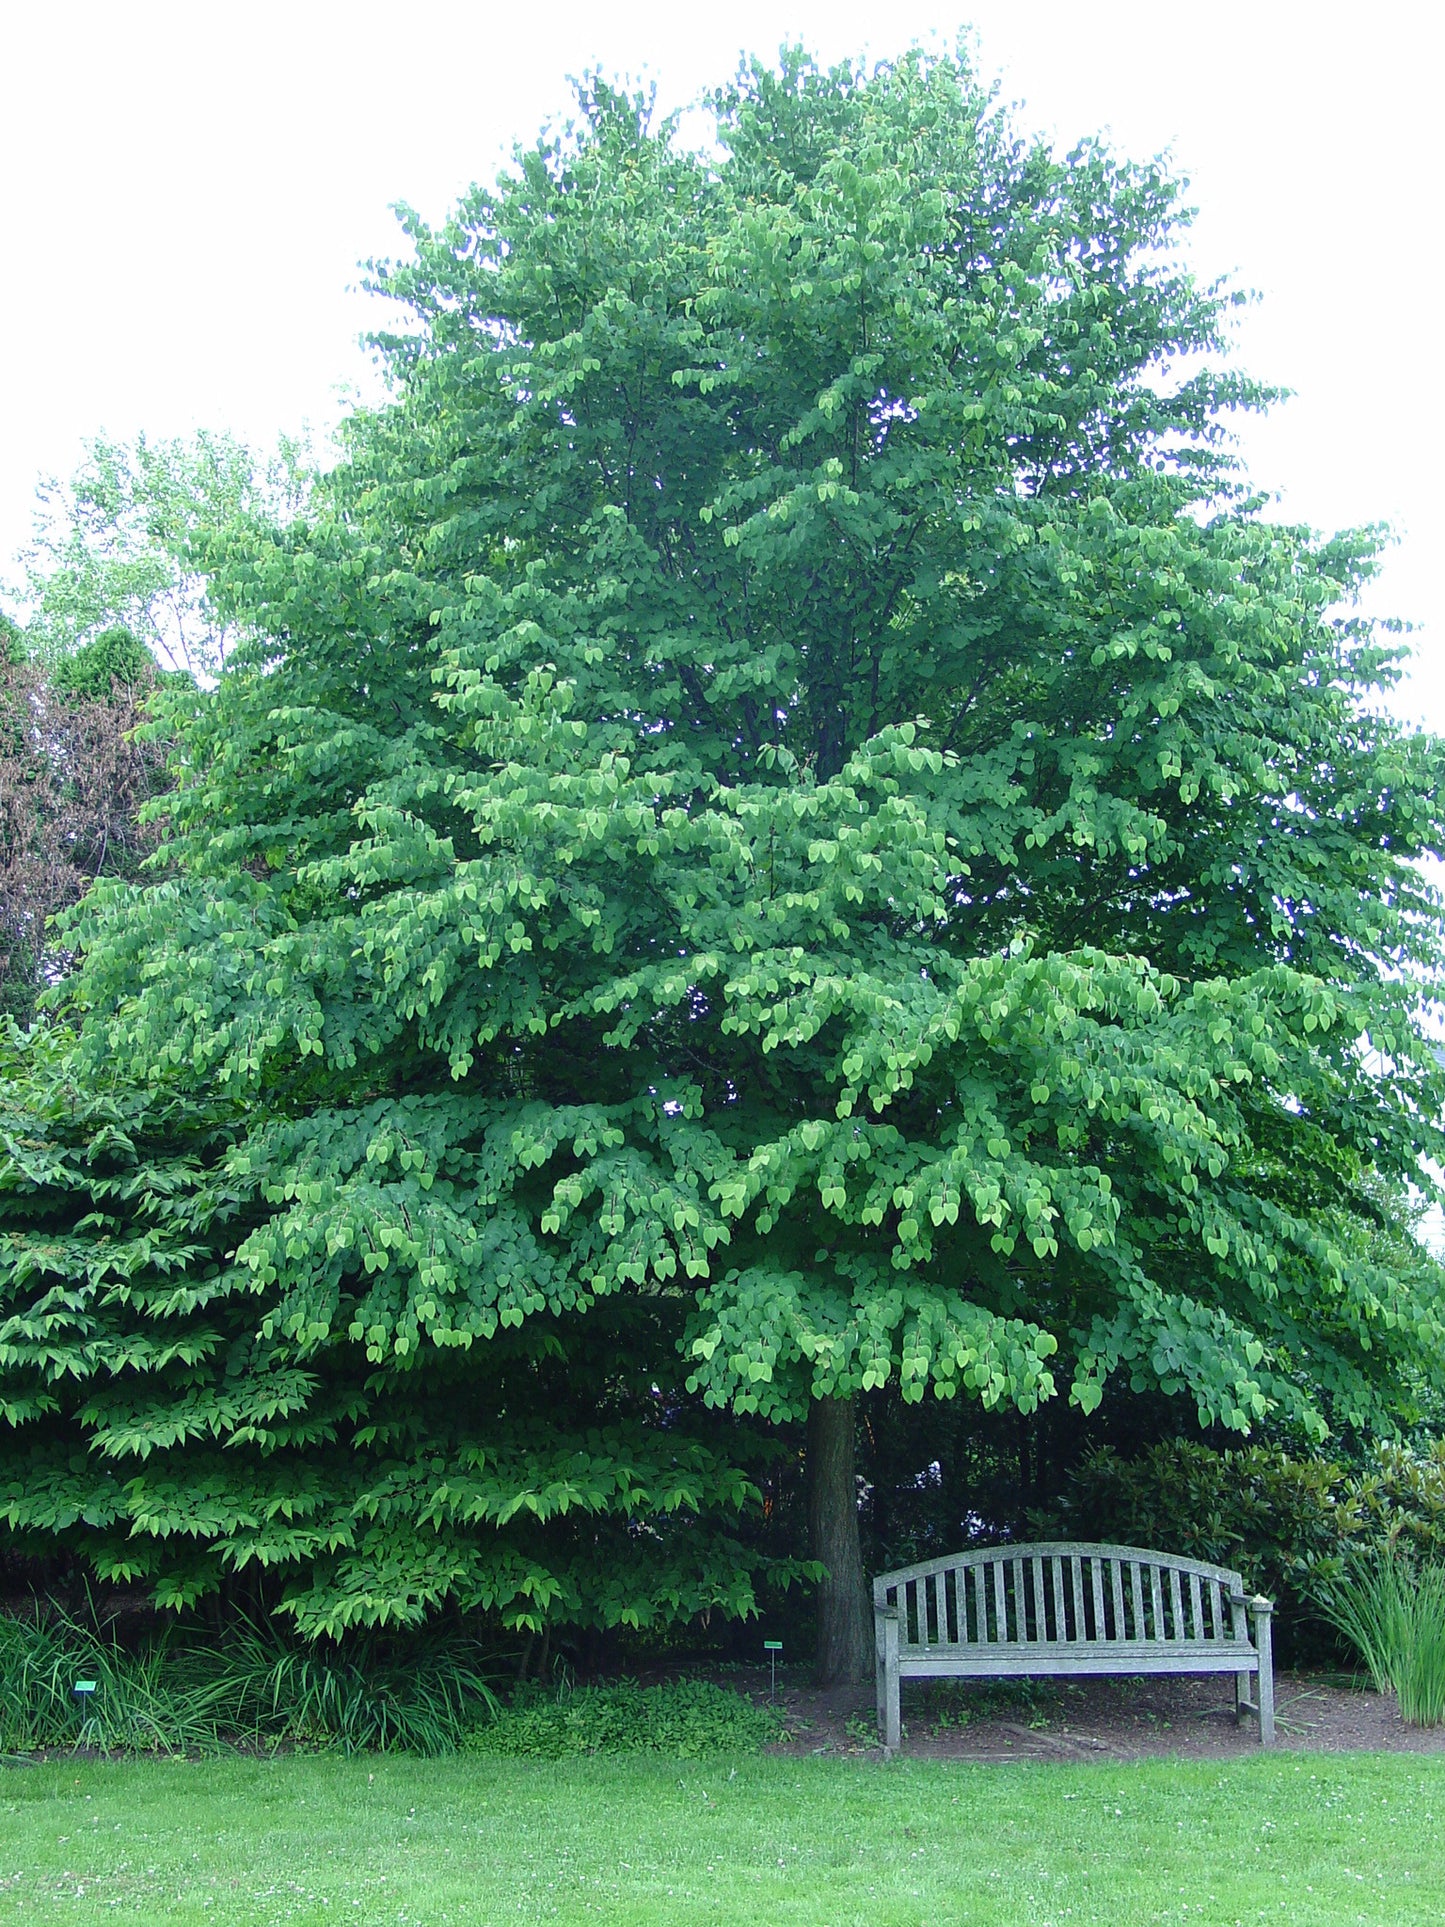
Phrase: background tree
[74,778]
[119,544]
[783,785]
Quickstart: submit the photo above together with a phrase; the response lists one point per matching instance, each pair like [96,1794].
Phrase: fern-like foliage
[178,1412]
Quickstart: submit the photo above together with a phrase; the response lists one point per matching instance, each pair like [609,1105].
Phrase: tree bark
[845,1623]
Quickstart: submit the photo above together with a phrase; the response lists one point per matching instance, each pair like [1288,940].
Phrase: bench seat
[1060,1608]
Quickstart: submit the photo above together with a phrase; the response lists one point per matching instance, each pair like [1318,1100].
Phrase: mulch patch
[1094,1719]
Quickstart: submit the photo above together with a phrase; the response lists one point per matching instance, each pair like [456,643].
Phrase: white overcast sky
[186,192]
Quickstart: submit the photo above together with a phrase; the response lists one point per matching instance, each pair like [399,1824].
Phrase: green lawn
[1297,1838]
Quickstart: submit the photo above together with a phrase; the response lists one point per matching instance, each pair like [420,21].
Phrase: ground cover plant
[1312,1839]
[686,1719]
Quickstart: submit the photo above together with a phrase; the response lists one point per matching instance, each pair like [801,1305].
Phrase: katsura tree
[787,786]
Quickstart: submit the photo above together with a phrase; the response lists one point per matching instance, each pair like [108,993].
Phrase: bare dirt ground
[1094,1719]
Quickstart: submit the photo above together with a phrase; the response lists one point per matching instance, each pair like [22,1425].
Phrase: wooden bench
[1075,1609]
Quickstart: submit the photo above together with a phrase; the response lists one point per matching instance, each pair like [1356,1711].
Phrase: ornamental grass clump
[424,1697]
[1395,1616]
[67,1684]
[159,1699]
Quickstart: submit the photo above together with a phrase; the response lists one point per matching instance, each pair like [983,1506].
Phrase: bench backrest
[1061,1594]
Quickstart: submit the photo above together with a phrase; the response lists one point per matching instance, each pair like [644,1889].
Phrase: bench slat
[1041,1607]
[1061,1623]
[1097,1575]
[1022,1601]
[1176,1599]
[1156,1597]
[1196,1608]
[1136,1596]
[1000,1611]
[1016,1631]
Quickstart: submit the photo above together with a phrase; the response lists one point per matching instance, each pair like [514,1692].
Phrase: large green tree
[785,788]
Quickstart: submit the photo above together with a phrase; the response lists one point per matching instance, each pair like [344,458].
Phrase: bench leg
[1262,1614]
[880,1678]
[1243,1697]
[892,1720]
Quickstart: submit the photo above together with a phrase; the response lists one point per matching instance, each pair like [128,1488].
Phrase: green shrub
[1292,1527]
[1285,1524]
[114,656]
[1395,1615]
[686,1718]
[1401,1500]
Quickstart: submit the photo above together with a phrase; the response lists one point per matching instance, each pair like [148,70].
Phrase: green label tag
[85,1686]
[772,1645]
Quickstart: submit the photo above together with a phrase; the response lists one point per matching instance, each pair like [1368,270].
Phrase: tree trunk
[845,1623]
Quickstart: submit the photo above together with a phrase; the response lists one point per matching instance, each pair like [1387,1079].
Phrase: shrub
[1293,1528]
[1395,1615]
[1285,1524]
[685,1718]
[1401,1498]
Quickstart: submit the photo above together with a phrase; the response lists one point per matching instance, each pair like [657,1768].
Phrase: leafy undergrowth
[687,1719]
[1314,1840]
[173,1693]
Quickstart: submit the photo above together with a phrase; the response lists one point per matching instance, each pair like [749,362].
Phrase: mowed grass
[826,1841]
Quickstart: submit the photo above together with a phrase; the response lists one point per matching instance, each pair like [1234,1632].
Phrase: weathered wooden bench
[1058,1608]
